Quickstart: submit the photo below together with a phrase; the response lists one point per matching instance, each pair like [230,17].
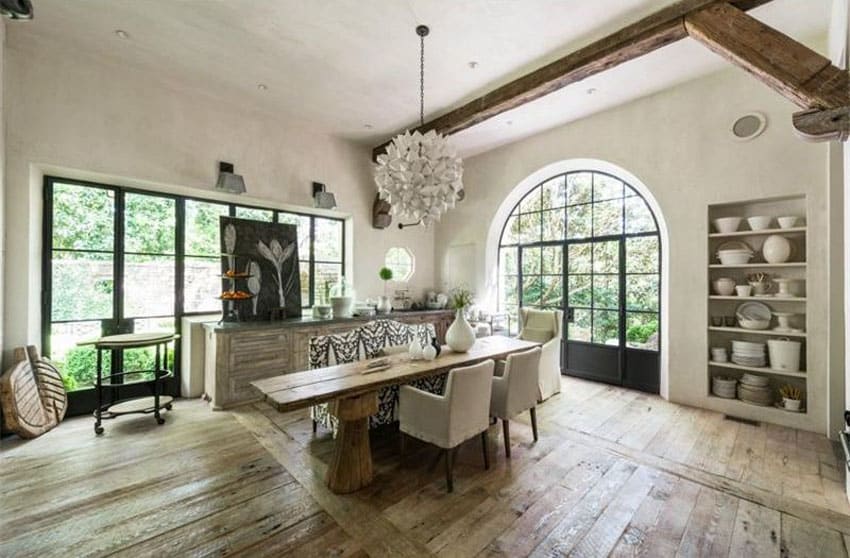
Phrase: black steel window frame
[118,253]
[566,241]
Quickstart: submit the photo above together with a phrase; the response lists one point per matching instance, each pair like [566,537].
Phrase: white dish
[755,380]
[760,222]
[755,311]
[754,324]
[734,257]
[727,224]
[751,345]
[787,221]
[779,405]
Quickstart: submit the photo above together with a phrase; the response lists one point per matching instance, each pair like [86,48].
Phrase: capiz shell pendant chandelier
[420,175]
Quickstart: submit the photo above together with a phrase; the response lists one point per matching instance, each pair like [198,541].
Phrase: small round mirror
[749,126]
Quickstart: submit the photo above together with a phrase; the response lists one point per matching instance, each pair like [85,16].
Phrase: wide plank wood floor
[615,473]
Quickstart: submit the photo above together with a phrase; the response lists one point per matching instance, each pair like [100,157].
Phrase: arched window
[587,243]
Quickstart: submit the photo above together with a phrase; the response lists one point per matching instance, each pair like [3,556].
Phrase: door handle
[571,315]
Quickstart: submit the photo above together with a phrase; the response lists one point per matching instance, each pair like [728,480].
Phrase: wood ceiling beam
[792,69]
[659,29]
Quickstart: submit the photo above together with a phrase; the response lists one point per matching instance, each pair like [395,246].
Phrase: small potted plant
[323,308]
[460,336]
[792,397]
[384,304]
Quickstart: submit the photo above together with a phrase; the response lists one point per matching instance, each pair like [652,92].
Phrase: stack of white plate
[747,353]
[722,386]
[755,389]
[754,380]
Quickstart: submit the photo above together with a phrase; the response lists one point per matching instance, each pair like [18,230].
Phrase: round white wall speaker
[748,126]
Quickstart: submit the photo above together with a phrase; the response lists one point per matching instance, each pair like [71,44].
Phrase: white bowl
[759,222]
[734,257]
[727,224]
[747,345]
[724,286]
[787,222]
[753,324]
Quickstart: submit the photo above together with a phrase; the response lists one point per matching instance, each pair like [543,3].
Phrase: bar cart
[154,403]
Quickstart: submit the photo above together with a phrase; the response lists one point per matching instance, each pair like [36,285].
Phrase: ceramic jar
[724,286]
[460,336]
[415,350]
[776,249]
[429,353]
[384,305]
[436,346]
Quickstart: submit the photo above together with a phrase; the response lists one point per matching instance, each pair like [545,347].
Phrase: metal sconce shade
[322,198]
[228,181]
[16,9]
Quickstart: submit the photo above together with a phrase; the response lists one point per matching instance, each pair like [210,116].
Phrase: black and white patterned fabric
[369,340]
[319,357]
[319,353]
[398,333]
[373,335]
[346,346]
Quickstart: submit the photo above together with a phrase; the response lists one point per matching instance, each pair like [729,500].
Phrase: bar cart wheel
[98,429]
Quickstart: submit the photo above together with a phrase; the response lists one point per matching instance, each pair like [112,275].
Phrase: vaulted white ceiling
[350,67]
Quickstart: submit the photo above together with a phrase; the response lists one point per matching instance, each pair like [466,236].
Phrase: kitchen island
[238,353]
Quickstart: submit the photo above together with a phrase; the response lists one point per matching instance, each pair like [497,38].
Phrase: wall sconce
[16,9]
[228,181]
[321,198]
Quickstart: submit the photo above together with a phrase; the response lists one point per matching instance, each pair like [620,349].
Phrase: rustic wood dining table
[353,392]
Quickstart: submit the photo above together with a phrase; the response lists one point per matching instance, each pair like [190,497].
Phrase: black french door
[604,283]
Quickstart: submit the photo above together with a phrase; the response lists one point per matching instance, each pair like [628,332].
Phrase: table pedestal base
[350,468]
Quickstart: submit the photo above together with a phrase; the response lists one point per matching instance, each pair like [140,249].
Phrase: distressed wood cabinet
[237,354]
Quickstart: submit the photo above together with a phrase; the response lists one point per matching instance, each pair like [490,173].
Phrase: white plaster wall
[2,168]
[89,118]
[677,143]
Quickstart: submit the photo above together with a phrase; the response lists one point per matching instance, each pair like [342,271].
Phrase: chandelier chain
[421,80]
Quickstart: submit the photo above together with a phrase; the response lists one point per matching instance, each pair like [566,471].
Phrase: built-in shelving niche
[720,305]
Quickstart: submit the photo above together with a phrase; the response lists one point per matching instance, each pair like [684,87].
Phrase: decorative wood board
[32,394]
[303,389]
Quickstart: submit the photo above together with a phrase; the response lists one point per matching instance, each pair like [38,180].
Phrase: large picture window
[115,255]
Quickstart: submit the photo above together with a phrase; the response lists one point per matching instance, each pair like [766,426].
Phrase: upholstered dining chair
[515,391]
[448,420]
[544,326]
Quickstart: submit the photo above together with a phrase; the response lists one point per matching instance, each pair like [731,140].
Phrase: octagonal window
[400,261]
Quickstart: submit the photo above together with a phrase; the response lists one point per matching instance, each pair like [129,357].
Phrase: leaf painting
[277,255]
[254,282]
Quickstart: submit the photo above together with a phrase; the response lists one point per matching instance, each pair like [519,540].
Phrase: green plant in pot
[460,337]
[323,308]
[792,397]
[384,304]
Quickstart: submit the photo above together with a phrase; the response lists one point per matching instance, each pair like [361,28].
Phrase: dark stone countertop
[234,327]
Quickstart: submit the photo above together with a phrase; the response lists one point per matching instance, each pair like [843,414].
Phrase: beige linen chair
[515,391]
[544,326]
[450,419]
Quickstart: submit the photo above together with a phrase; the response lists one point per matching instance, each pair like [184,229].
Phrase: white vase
[384,305]
[429,352]
[776,249]
[342,306]
[460,336]
[415,350]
